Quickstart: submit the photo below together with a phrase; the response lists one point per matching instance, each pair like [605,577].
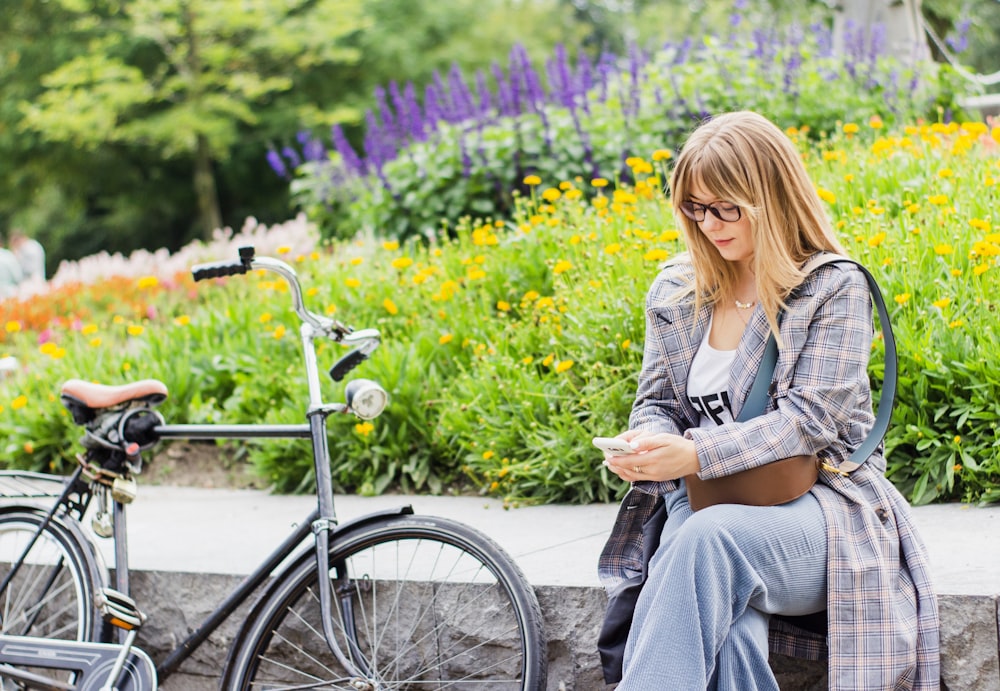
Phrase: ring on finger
[637,470]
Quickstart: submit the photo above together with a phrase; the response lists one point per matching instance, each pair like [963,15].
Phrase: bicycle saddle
[84,398]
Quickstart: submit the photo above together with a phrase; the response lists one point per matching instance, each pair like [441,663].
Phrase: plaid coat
[883,619]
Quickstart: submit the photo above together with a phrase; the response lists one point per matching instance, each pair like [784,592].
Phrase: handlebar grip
[347,363]
[202,272]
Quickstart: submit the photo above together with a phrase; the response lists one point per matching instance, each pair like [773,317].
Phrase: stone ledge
[177,602]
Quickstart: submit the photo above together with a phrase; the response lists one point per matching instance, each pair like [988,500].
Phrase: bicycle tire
[52,594]
[461,616]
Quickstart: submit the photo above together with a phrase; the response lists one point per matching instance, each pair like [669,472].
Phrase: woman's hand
[657,457]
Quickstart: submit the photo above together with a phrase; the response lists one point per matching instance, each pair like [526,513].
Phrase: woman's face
[733,239]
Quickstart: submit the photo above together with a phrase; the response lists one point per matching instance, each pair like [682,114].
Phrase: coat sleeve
[821,400]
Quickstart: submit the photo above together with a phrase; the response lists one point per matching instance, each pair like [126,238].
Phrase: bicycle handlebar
[364,341]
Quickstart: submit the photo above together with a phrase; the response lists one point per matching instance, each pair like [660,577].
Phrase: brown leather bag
[770,484]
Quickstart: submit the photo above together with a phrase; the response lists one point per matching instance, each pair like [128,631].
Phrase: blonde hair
[744,158]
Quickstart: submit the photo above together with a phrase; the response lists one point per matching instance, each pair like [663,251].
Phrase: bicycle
[388,600]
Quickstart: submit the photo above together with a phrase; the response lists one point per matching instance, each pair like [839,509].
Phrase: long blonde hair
[744,158]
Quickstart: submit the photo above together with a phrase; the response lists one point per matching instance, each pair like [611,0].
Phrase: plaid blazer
[883,619]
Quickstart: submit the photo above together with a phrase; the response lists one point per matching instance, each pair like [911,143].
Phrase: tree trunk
[205,191]
[900,20]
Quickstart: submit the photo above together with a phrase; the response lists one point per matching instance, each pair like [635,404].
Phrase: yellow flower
[19,402]
[563,366]
[913,208]
[364,428]
[957,323]
[135,330]
[551,194]
[527,360]
[47,348]
[487,455]
[902,298]
[656,255]
[946,173]
[352,282]
[548,360]
[29,447]
[938,199]
[980,269]
[875,122]
[357,261]
[850,128]
[503,305]
[12,327]
[390,306]
[265,318]
[562,266]
[531,296]
[826,195]
[980,224]
[532,180]
[279,331]
[147,282]
[182,320]
[401,262]
[613,248]
[95,342]
[446,339]
[599,182]
[943,249]
[876,240]
[942,303]
[626,343]
[390,245]
[663,155]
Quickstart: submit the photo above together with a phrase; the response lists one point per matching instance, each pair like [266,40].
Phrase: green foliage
[472,167]
[507,346]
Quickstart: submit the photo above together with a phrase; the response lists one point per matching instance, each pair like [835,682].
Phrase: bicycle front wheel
[422,603]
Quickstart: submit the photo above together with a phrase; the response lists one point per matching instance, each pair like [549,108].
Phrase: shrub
[466,149]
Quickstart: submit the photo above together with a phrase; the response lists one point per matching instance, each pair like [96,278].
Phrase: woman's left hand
[657,457]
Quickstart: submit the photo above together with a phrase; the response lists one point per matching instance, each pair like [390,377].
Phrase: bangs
[717,171]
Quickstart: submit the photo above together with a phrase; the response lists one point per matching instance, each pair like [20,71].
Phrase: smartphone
[615,447]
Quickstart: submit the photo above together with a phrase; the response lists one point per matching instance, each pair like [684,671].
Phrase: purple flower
[291,155]
[959,41]
[277,164]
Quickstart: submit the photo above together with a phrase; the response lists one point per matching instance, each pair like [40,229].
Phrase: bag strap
[757,398]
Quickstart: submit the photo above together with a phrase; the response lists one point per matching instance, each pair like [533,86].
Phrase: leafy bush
[510,344]
[465,150]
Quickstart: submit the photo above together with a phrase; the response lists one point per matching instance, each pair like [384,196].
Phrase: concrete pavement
[230,531]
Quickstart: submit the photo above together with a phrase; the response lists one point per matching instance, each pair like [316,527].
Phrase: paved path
[230,531]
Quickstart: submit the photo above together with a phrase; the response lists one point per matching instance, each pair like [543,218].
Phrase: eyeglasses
[724,211]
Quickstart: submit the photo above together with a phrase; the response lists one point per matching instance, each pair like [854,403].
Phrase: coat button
[882,514]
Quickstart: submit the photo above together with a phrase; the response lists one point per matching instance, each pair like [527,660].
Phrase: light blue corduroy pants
[702,619]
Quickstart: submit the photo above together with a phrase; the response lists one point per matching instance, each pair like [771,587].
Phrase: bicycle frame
[322,522]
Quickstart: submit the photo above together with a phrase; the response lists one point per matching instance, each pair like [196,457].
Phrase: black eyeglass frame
[696,211]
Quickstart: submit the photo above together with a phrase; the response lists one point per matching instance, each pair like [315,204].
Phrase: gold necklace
[745,305]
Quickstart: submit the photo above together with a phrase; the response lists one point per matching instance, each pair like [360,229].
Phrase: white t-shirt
[708,383]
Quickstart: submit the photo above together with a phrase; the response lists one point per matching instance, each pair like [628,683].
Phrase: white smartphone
[615,447]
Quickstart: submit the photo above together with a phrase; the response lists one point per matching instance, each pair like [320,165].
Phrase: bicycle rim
[422,603]
[52,593]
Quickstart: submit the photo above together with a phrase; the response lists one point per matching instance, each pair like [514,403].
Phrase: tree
[185,77]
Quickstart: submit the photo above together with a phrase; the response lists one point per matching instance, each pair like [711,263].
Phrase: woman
[723,577]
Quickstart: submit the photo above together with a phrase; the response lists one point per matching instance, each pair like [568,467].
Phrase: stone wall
[177,603]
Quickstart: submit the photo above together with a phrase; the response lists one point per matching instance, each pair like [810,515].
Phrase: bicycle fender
[99,577]
[93,661]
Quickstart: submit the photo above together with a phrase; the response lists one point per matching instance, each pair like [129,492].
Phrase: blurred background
[130,124]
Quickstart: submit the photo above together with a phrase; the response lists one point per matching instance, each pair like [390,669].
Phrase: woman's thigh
[786,547]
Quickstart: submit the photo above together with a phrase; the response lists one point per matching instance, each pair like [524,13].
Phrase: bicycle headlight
[365,398]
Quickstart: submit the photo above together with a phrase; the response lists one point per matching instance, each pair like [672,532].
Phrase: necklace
[745,305]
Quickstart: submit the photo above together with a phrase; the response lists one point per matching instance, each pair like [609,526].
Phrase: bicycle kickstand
[120,611]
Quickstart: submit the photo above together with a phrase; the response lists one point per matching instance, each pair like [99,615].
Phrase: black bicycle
[389,600]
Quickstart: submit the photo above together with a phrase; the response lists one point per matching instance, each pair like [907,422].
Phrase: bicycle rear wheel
[422,603]
[52,593]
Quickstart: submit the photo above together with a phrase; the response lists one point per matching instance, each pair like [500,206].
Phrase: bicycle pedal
[119,609]
[123,490]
